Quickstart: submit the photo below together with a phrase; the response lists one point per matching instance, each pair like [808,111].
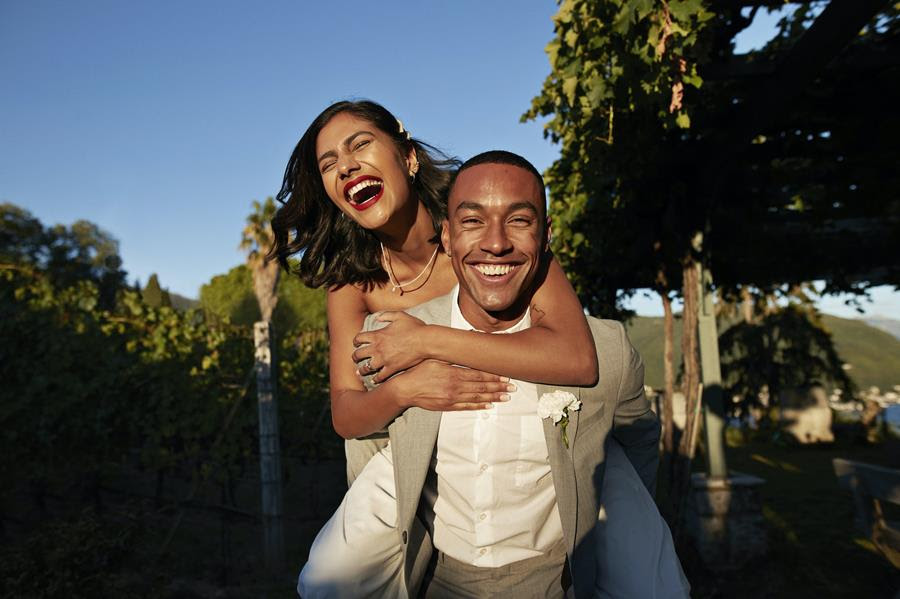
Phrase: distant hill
[179,302]
[888,325]
[874,355]
[646,333]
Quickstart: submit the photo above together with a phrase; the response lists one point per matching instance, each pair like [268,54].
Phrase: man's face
[496,234]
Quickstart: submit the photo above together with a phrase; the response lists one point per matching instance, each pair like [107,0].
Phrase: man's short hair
[502,157]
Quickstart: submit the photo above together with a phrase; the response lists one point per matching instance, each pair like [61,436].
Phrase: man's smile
[494,272]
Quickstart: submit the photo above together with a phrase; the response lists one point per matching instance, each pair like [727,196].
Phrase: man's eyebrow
[478,207]
[347,142]
[469,206]
[523,206]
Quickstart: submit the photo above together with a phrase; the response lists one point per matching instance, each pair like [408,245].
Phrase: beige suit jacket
[615,407]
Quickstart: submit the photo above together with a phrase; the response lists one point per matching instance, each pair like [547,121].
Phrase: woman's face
[363,172]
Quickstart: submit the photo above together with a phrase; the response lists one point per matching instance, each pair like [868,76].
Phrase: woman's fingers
[366,364]
[362,353]
[467,374]
[363,338]
[462,406]
[388,316]
[483,387]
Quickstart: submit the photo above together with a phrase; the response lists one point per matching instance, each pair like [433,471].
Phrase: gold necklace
[395,284]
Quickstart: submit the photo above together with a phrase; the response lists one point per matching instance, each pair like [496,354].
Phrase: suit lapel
[562,465]
[414,433]
[413,438]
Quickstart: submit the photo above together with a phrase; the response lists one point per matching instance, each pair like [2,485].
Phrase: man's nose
[495,240]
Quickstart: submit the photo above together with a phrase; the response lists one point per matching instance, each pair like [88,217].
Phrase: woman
[363,201]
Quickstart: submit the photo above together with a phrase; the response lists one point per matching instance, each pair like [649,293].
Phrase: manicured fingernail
[511,387]
[505,397]
[504,379]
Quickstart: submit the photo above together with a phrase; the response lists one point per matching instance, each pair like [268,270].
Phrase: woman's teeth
[494,269]
[363,185]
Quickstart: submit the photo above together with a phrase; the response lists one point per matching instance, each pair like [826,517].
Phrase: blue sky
[161,121]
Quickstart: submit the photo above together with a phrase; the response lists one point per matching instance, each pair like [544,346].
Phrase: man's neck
[492,322]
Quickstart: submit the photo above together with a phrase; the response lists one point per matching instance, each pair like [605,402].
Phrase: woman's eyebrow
[347,142]
[350,139]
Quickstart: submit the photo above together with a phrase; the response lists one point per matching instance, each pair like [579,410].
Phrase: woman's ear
[412,162]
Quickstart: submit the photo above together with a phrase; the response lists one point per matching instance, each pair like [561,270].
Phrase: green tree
[80,252]
[257,238]
[231,296]
[154,295]
[671,145]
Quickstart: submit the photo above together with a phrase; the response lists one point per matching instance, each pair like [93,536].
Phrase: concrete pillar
[712,401]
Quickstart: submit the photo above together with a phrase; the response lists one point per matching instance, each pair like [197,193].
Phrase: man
[511,507]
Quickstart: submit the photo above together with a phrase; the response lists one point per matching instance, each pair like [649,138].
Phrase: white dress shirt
[492,497]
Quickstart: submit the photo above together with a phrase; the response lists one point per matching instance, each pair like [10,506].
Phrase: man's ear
[548,237]
[445,236]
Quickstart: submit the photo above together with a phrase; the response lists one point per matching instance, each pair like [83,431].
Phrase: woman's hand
[438,386]
[396,347]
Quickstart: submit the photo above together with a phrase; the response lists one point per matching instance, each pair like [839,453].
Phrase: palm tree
[256,239]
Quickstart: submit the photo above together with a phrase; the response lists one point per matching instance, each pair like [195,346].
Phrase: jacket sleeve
[635,426]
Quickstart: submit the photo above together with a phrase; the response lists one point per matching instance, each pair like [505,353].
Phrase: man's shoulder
[435,311]
[606,331]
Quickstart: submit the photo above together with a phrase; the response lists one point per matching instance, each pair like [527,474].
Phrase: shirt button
[483,551]
[482,516]
[484,467]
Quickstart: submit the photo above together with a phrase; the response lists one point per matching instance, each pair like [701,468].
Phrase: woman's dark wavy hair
[338,251]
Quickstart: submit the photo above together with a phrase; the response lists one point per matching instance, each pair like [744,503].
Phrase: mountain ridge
[873,355]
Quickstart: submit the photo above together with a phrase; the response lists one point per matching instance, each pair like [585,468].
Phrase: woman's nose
[347,164]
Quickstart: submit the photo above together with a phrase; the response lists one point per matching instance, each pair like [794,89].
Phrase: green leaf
[552,51]
[569,86]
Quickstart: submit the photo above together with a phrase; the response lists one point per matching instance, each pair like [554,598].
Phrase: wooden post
[713,402]
[269,450]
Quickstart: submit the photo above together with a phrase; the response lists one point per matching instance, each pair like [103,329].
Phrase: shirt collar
[458,321]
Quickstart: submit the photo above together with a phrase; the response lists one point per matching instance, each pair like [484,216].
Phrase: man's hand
[396,347]
[438,386]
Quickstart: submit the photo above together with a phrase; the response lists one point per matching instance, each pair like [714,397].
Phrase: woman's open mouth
[363,192]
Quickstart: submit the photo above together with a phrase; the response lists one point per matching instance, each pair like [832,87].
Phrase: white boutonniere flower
[556,406]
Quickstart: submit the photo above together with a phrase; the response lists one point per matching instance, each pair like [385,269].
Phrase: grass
[814,549]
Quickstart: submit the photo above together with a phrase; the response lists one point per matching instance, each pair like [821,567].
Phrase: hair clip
[403,131]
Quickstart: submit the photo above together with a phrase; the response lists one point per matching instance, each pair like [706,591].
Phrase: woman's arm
[557,349]
[356,412]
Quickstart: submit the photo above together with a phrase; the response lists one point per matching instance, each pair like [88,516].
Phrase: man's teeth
[362,185]
[493,269]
